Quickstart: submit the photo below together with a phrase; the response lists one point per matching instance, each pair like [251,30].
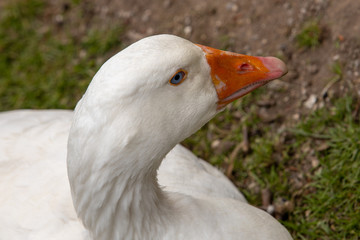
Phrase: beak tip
[275,65]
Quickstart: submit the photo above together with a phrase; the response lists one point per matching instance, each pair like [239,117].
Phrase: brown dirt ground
[252,27]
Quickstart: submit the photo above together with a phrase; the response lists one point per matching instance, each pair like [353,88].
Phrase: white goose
[128,177]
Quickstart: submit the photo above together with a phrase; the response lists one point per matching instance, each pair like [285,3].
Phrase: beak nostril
[245,67]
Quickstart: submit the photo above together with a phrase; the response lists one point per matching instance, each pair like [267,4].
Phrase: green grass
[310,35]
[327,204]
[45,65]
[331,210]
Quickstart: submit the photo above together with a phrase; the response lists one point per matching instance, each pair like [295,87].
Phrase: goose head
[166,87]
[151,96]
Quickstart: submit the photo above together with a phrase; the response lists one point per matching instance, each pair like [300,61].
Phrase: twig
[329,85]
[232,157]
[244,146]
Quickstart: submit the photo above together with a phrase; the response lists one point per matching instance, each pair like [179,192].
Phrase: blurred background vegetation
[306,173]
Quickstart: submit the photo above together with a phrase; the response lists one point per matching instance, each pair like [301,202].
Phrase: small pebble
[187,30]
[270,209]
[230,6]
[215,144]
[310,102]
[296,116]
[59,19]
[314,162]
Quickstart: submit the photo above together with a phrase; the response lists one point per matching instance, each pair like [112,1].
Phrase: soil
[267,28]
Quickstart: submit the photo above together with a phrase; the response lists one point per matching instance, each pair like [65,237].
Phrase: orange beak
[235,75]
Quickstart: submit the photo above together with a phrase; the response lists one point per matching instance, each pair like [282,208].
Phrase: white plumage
[126,123]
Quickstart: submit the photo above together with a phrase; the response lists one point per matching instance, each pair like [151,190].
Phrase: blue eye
[178,77]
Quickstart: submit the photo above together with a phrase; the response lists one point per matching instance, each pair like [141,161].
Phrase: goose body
[129,178]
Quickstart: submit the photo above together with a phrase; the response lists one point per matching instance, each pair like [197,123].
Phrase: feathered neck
[113,180]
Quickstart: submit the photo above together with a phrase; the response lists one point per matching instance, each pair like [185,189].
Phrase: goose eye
[178,77]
